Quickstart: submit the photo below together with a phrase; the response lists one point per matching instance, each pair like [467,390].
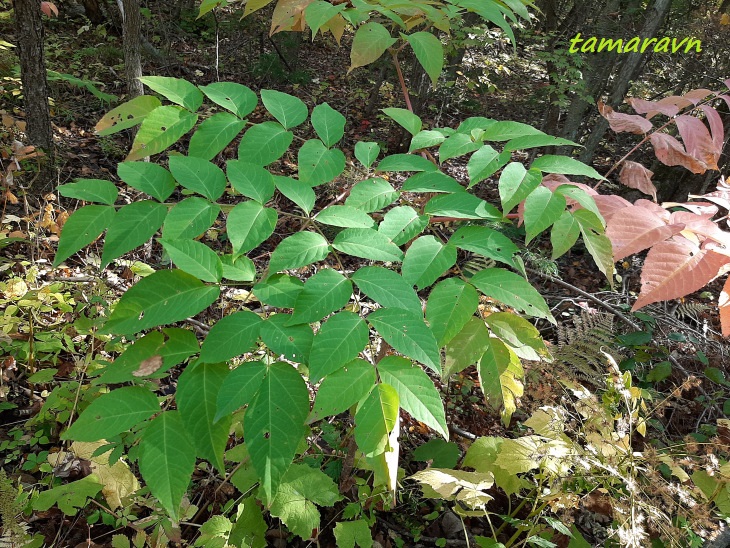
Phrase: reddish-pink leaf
[697,95]
[724,304]
[670,152]
[721,196]
[675,268]
[652,108]
[656,209]
[634,175]
[698,208]
[620,122]
[697,140]
[554,180]
[716,127]
[634,229]
[608,204]
[701,225]
[49,8]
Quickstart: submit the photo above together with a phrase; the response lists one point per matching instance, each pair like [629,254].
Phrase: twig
[463,433]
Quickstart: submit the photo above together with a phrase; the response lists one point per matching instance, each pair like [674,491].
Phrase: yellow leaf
[289,15]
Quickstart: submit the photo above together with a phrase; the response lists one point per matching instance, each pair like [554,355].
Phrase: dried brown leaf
[149,366]
[620,122]
[697,140]
[670,152]
[634,175]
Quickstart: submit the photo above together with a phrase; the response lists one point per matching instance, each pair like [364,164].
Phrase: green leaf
[468,489]
[484,163]
[387,288]
[164,297]
[150,178]
[127,115]
[236,98]
[408,334]
[328,123]
[564,165]
[197,398]
[70,497]
[300,489]
[299,250]
[659,372]
[176,90]
[180,345]
[199,175]
[294,342]
[457,145]
[425,139]
[434,181]
[512,290]
[366,153]
[466,347]
[426,260]
[401,224]
[500,372]
[132,226]
[251,180]
[298,192]
[538,140]
[207,6]
[372,195]
[318,13]
[486,242]
[405,118]
[343,388]
[239,269]
[249,224]
[349,533]
[167,460]
[504,131]
[233,335]
[375,418]
[194,258]
[366,243]
[214,134]
[264,143]
[370,42]
[189,218]
[290,111]
[462,205]
[318,164]
[279,290]
[113,413]
[564,234]
[274,425]
[81,228]
[405,162]
[450,305]
[323,293]
[542,209]
[163,127]
[442,454]
[416,392]
[339,341]
[596,242]
[475,122]
[239,388]
[577,194]
[90,190]
[429,52]
[250,527]
[344,216]
[518,333]
[516,184]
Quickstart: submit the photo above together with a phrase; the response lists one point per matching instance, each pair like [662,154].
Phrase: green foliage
[368,351]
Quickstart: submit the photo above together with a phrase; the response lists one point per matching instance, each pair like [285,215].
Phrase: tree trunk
[132,25]
[33,73]
[630,69]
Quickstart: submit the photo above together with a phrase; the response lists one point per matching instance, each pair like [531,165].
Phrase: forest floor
[502,87]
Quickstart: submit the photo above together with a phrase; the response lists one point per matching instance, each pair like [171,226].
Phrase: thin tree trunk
[132,25]
[630,69]
[33,73]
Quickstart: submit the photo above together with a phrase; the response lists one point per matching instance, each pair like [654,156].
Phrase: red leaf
[634,175]
[634,229]
[696,95]
[697,140]
[676,268]
[608,204]
[670,152]
[624,122]
[652,108]
[724,304]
